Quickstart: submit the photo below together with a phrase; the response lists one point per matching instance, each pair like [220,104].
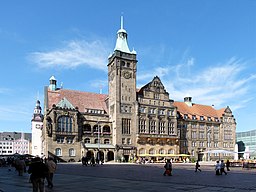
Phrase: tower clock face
[38,126]
[127,75]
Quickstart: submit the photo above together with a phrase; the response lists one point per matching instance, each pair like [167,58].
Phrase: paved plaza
[132,177]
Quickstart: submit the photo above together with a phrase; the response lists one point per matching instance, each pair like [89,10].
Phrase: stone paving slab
[134,178]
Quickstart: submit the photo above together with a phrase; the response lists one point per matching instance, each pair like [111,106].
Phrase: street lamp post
[208,142]
[98,141]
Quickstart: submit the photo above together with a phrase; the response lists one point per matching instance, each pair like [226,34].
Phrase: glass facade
[247,139]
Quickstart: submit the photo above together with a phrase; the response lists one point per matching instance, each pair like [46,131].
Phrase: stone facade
[130,123]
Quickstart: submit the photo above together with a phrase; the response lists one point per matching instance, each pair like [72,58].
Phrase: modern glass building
[245,140]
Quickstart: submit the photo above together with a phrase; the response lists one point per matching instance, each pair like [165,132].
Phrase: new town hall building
[128,122]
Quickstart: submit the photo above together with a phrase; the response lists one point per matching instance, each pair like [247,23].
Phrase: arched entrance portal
[110,156]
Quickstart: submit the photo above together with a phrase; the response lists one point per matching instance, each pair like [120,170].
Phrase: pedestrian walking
[84,160]
[20,166]
[197,166]
[228,165]
[222,167]
[38,171]
[217,168]
[51,165]
[168,168]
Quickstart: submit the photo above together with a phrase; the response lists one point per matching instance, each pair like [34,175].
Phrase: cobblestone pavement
[135,178]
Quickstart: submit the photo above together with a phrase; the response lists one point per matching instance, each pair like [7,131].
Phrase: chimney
[188,100]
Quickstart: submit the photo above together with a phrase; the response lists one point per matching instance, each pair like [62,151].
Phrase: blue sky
[206,49]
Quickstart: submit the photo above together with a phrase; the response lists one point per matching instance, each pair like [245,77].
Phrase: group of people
[91,161]
[39,171]
[219,167]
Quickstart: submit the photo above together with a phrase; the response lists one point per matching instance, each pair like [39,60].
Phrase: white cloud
[221,85]
[74,54]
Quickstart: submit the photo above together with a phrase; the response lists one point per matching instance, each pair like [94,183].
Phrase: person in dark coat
[38,171]
[168,168]
[228,165]
[197,166]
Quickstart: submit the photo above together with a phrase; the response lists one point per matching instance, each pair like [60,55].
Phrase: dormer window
[193,117]
[201,118]
[209,119]
[185,116]
[216,119]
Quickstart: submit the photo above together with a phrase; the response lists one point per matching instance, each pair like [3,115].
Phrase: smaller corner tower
[37,126]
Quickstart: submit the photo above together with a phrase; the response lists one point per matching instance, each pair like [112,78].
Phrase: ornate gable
[64,103]
[155,86]
[228,110]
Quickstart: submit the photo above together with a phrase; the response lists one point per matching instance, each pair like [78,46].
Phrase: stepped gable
[198,110]
[82,100]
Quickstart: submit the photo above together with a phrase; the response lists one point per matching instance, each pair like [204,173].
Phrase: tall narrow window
[152,126]
[142,125]
[126,126]
[72,152]
[161,127]
[58,152]
[171,128]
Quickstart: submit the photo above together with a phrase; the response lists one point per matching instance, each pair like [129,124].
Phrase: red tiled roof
[198,110]
[82,100]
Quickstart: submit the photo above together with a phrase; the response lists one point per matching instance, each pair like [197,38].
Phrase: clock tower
[122,65]
[37,126]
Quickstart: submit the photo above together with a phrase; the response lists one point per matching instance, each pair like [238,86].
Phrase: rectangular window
[161,127]
[201,126]
[126,126]
[142,125]
[152,126]
[216,136]
[193,135]
[171,128]
[201,135]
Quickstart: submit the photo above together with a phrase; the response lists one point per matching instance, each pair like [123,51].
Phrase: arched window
[72,152]
[170,151]
[151,151]
[161,151]
[64,124]
[87,140]
[87,128]
[58,152]
[106,129]
[95,128]
[106,141]
[142,151]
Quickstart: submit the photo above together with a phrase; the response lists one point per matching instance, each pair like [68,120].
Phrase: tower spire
[122,22]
